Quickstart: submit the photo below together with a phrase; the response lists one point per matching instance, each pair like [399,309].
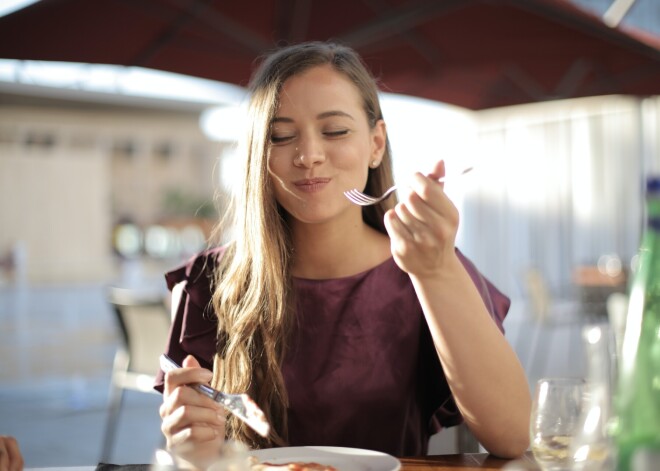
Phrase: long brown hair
[252,298]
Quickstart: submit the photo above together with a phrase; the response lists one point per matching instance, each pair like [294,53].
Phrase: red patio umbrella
[472,53]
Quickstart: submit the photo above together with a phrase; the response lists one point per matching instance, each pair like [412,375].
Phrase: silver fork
[238,404]
[357,197]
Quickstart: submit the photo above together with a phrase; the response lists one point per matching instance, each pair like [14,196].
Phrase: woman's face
[321,145]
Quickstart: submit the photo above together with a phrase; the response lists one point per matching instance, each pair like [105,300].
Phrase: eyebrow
[324,115]
[328,114]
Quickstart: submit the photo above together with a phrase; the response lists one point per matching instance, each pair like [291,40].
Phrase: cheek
[279,166]
[352,155]
[280,194]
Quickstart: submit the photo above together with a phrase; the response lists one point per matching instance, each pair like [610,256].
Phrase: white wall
[58,206]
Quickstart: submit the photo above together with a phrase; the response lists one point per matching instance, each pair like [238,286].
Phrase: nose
[309,152]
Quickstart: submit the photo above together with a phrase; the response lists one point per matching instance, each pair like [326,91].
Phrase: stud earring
[374,163]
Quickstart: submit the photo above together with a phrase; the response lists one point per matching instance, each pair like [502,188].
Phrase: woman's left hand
[10,454]
[423,226]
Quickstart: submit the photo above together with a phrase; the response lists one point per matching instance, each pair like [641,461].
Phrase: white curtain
[559,184]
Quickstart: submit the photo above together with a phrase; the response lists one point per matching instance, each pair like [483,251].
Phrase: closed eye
[338,133]
[280,139]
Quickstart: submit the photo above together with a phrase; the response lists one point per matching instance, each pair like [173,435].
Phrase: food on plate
[292,466]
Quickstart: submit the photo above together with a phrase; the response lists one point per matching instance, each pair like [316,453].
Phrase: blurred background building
[75,174]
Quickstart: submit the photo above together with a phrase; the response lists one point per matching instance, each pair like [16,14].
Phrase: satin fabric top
[361,370]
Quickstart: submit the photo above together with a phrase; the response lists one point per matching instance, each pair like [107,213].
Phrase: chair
[466,442]
[548,314]
[144,322]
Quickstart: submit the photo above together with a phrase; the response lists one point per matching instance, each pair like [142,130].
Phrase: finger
[395,227]
[190,373]
[193,439]
[4,455]
[188,416]
[414,207]
[15,457]
[195,419]
[401,239]
[422,234]
[429,203]
[438,171]
[10,454]
[191,362]
[428,189]
[412,224]
[196,433]
[183,396]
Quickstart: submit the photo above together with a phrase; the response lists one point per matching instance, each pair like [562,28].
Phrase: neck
[326,251]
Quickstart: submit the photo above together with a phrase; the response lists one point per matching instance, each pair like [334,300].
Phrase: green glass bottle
[637,399]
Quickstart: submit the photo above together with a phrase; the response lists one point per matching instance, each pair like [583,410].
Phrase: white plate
[344,459]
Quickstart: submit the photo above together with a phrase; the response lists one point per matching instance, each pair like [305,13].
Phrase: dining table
[452,462]
[464,461]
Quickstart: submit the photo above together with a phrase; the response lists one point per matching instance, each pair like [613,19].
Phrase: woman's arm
[485,376]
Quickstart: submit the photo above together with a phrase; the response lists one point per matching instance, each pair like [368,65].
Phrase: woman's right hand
[193,424]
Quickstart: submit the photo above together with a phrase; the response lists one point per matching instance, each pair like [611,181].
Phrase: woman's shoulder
[197,268]
[192,285]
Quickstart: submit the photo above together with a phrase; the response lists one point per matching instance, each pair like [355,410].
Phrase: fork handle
[167,365]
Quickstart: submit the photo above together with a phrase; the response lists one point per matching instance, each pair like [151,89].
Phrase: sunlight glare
[582,173]
[127,81]
[8,7]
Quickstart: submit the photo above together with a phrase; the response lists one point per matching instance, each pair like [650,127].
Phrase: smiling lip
[311,185]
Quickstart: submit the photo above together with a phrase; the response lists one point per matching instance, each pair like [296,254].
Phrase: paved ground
[57,344]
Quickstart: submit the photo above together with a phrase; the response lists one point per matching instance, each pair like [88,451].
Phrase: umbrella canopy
[472,53]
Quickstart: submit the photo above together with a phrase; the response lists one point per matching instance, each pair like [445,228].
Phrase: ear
[378,141]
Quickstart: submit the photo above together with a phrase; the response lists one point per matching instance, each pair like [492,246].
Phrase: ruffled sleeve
[194,324]
[496,302]
[444,412]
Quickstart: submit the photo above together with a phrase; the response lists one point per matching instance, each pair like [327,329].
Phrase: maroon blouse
[361,371]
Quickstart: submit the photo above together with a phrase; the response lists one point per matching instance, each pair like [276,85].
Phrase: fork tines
[357,197]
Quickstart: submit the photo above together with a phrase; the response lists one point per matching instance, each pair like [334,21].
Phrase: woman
[349,326]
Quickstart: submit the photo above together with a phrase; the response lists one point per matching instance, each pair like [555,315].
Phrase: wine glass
[232,456]
[556,420]
[592,447]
